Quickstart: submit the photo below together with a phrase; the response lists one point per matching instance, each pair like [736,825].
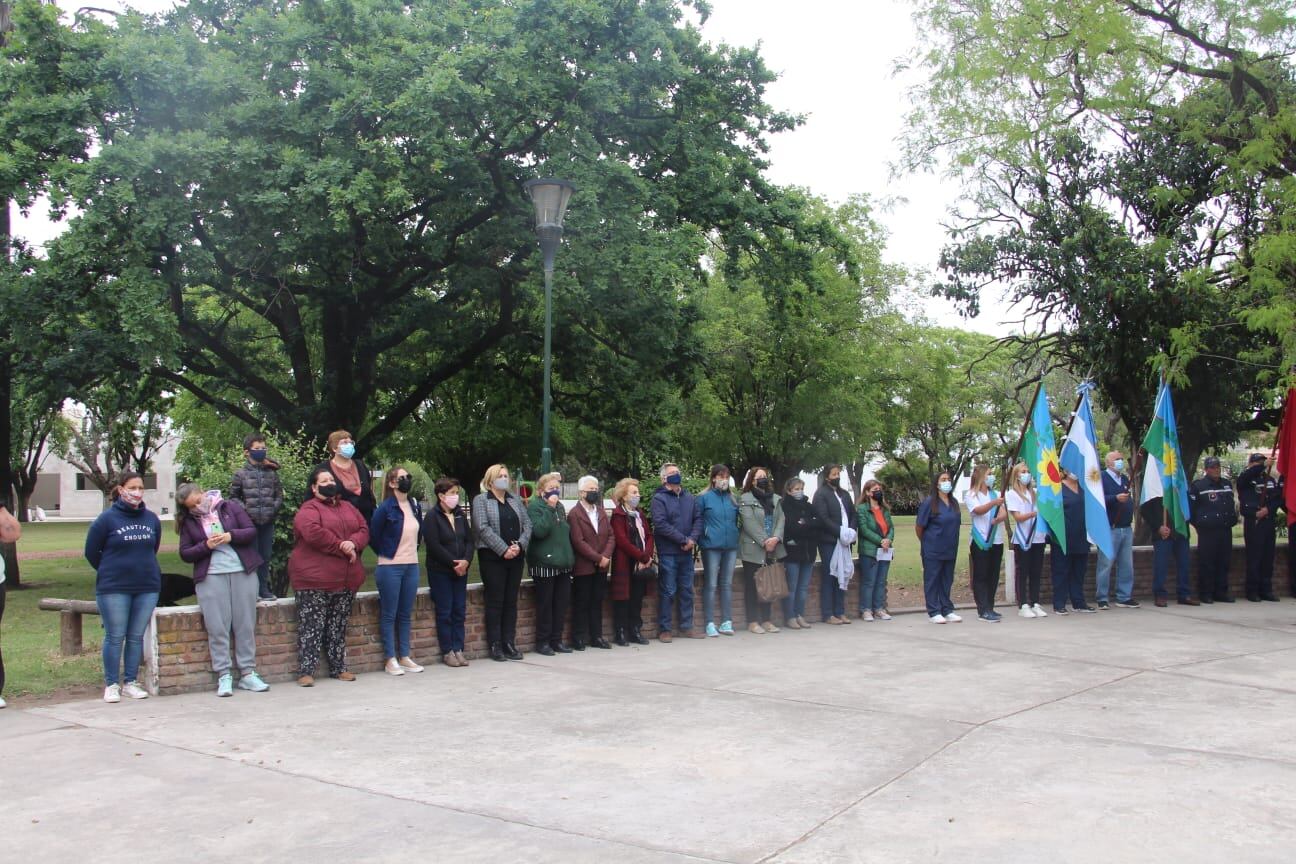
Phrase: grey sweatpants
[228,602]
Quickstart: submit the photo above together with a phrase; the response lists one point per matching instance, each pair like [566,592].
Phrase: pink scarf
[207,512]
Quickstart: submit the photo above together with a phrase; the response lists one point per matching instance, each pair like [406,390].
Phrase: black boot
[636,637]
[559,647]
[545,650]
[511,652]
[619,637]
[600,642]
[577,643]
[496,652]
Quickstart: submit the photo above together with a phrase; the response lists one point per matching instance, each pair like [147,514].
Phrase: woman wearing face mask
[121,546]
[937,526]
[449,552]
[632,558]
[761,522]
[719,544]
[839,526]
[877,533]
[503,532]
[324,570]
[1069,567]
[217,536]
[986,552]
[353,479]
[1028,541]
[593,543]
[801,534]
[395,530]
[549,560]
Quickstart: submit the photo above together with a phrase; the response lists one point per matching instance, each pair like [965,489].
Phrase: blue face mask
[257,455]
[1119,465]
[946,486]
[346,451]
[674,480]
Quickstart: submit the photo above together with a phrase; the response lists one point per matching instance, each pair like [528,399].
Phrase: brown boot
[346,676]
[306,681]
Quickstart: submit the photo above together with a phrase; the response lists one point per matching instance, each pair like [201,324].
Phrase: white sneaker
[134,690]
[392,667]
[408,664]
[1039,611]
[937,619]
[866,615]
[2,702]
[112,693]
[882,616]
[953,618]
[1026,611]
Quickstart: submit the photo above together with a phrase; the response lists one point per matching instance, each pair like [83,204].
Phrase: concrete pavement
[1132,735]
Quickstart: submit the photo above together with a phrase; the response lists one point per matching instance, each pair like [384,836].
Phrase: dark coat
[802,529]
[235,520]
[258,488]
[627,554]
[590,544]
[830,515]
[676,519]
[447,543]
[1211,504]
[365,501]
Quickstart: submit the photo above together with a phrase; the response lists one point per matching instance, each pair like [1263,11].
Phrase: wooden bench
[70,612]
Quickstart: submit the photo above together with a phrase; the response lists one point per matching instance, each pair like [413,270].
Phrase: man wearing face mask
[676,526]
[1120,515]
[257,487]
[592,541]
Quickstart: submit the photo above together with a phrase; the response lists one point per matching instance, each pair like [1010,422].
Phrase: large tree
[325,198]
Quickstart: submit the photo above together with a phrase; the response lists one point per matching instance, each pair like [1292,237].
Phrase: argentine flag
[1080,457]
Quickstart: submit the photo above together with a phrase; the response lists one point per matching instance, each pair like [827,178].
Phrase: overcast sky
[834,59]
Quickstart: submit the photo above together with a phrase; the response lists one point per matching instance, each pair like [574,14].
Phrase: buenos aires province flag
[1040,456]
[1164,476]
[1080,457]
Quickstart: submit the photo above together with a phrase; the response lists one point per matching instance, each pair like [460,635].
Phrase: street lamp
[550,196]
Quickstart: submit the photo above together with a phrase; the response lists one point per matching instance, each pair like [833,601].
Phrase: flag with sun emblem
[1040,455]
[1164,477]
[1080,457]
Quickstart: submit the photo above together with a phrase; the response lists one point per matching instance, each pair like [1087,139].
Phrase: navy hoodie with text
[122,547]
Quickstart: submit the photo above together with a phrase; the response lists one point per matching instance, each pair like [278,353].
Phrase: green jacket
[869,535]
[550,536]
[751,529]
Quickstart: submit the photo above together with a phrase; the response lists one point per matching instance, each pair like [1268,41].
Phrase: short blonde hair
[545,479]
[337,437]
[622,489]
[491,473]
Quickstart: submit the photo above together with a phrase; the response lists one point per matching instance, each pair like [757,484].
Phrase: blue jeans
[265,548]
[798,576]
[450,597]
[125,618]
[832,599]
[1162,551]
[718,562]
[938,582]
[1123,554]
[873,584]
[675,576]
[397,588]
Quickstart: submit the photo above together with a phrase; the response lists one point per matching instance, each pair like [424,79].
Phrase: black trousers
[1261,537]
[1030,569]
[587,605]
[628,614]
[3,591]
[985,575]
[1214,548]
[757,612]
[501,579]
[552,594]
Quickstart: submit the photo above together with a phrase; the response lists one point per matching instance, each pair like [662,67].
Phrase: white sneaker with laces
[1039,611]
[133,690]
[392,667]
[882,616]
[937,619]
[1026,611]
[112,693]
[953,617]
[408,664]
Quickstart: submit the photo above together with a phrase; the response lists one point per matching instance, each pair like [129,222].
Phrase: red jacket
[591,546]
[317,563]
[627,555]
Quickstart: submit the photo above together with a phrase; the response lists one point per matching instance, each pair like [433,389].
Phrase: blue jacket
[1073,512]
[1118,515]
[675,520]
[387,524]
[940,526]
[122,547]
[719,519]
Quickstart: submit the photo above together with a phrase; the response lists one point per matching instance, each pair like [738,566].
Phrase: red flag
[1287,455]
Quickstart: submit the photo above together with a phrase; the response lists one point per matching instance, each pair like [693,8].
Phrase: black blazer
[365,501]
[830,515]
[446,545]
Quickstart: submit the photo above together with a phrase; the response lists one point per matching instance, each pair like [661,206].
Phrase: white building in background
[65,492]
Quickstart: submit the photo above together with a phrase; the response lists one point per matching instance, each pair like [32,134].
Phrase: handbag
[647,571]
[771,582]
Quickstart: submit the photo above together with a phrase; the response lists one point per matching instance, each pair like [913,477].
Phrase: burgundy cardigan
[235,520]
[589,545]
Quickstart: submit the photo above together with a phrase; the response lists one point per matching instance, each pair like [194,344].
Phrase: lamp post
[550,196]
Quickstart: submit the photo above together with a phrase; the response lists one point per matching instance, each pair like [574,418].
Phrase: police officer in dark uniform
[1259,498]
[1214,514]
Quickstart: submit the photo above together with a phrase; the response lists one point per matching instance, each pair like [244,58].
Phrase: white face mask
[990,480]
[1119,465]
[1025,479]
[501,483]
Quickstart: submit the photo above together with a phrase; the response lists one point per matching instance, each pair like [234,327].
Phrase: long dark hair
[121,480]
[936,493]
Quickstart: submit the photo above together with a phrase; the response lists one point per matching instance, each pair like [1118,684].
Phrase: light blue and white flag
[1080,457]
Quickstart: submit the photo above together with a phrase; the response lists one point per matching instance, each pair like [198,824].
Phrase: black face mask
[877,496]
[328,490]
[763,484]
[404,484]
[593,497]
[835,482]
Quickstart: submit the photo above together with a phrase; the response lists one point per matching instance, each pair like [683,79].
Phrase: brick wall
[182,663]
